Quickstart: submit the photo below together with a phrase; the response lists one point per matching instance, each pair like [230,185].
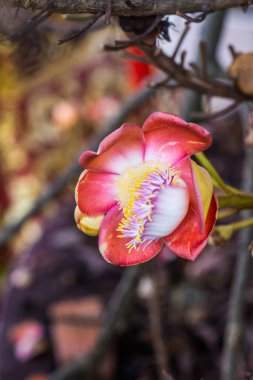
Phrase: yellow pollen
[131,180]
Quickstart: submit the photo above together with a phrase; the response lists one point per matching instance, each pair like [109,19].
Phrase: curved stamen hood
[154,201]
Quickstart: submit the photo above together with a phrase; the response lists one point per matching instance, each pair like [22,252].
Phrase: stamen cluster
[142,203]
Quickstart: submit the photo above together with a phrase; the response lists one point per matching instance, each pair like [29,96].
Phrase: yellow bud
[88,225]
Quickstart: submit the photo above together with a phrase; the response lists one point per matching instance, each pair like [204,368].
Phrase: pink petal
[95,193]
[187,174]
[187,241]
[113,248]
[121,149]
[169,138]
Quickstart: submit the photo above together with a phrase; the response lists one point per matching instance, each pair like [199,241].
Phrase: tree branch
[137,8]
[189,79]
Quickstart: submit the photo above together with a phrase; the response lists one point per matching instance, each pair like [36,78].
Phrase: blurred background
[55,288]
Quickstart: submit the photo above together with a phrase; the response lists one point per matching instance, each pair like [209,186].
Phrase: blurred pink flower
[65,114]
[141,190]
[28,339]
[100,109]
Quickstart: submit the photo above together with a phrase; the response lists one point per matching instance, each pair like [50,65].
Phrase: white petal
[171,206]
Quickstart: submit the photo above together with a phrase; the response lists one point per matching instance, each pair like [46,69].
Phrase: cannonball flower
[141,190]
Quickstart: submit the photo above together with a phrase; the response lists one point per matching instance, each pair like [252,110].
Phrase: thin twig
[117,312]
[188,79]
[57,186]
[124,44]
[83,30]
[224,112]
[181,40]
[190,19]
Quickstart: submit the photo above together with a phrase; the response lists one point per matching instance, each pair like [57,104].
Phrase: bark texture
[133,7]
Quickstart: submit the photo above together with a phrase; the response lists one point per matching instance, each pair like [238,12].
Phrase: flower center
[141,192]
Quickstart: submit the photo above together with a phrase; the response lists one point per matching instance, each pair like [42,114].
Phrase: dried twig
[224,112]
[197,80]
[83,30]
[191,80]
[190,19]
[181,40]
[119,45]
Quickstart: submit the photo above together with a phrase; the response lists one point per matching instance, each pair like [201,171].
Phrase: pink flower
[28,339]
[141,190]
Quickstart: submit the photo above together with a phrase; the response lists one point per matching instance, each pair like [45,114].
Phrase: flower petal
[169,138]
[95,193]
[187,174]
[205,185]
[187,241]
[113,248]
[88,225]
[121,149]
